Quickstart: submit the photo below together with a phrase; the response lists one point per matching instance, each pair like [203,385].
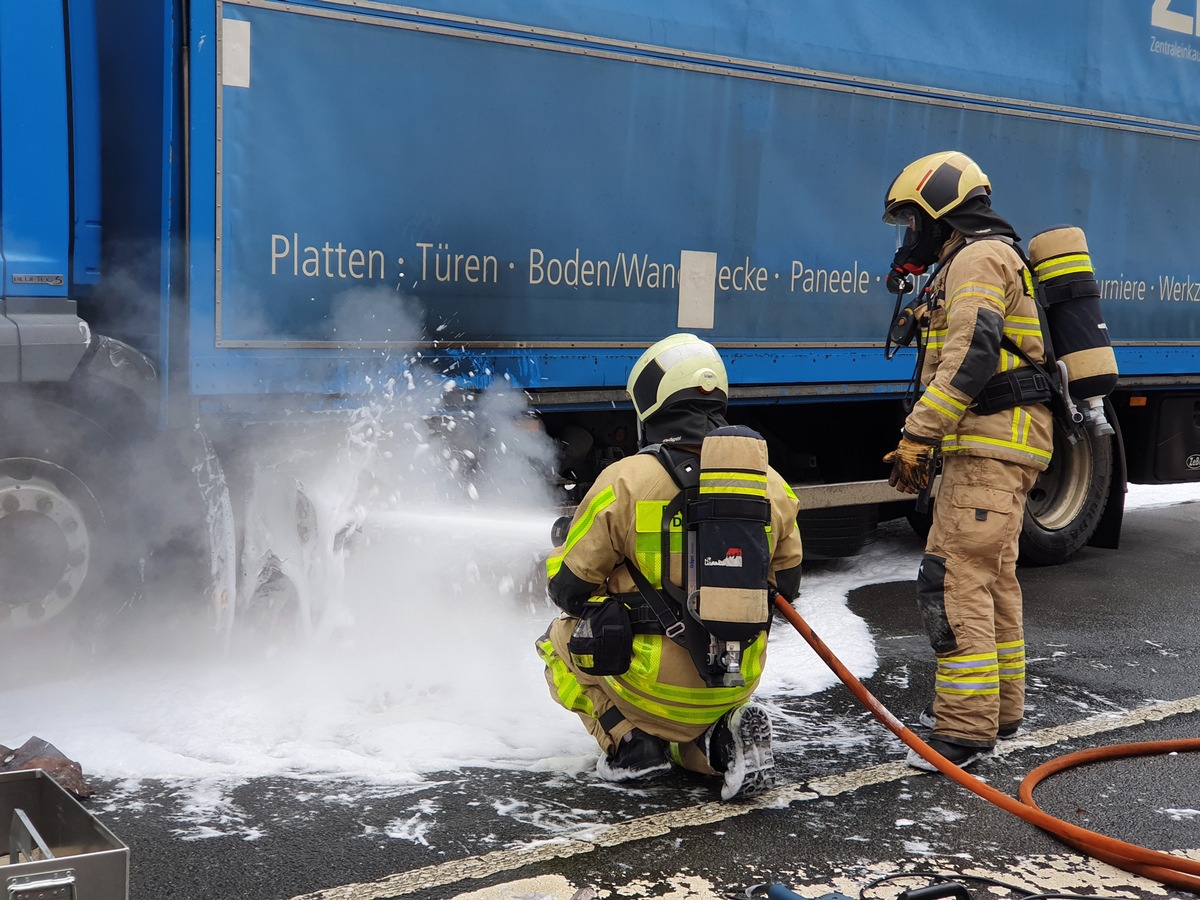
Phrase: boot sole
[608,773]
[751,771]
[917,761]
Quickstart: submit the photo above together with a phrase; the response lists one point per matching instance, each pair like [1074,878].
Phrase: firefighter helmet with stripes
[678,368]
[938,184]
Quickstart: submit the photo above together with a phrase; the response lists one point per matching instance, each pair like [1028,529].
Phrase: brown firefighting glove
[912,465]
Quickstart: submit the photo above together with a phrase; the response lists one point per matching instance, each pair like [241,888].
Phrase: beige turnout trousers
[593,699]
[970,600]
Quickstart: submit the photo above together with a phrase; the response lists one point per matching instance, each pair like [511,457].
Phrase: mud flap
[221,532]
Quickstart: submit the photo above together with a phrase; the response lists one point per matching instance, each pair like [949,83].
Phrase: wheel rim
[1061,491]
[47,537]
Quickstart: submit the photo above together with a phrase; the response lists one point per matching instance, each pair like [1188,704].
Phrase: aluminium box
[53,848]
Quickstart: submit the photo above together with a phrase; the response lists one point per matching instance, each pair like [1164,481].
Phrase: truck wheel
[920,522]
[58,514]
[1067,501]
[836,532]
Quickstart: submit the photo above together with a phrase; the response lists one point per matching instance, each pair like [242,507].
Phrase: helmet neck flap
[976,218]
[684,423]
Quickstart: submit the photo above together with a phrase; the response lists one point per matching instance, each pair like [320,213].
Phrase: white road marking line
[1045,737]
[455,871]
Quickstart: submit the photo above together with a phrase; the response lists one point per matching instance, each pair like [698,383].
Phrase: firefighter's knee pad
[931,601]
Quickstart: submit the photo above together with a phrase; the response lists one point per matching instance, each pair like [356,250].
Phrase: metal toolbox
[53,848]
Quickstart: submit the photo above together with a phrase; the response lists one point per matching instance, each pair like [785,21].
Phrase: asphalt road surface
[1111,641]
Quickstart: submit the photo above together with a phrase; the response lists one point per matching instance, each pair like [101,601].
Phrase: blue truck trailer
[215,211]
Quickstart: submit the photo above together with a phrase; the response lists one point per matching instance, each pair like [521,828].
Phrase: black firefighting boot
[639,755]
[959,754]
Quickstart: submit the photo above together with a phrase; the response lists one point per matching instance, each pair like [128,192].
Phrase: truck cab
[49,187]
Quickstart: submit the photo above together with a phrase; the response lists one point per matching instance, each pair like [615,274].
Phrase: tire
[61,516]
[920,522]
[836,532]
[1067,502]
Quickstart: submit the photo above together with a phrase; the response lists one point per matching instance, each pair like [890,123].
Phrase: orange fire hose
[1165,868]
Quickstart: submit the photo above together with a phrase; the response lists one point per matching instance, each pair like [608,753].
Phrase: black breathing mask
[919,245]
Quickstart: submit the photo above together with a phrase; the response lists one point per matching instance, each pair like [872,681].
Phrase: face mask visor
[907,222]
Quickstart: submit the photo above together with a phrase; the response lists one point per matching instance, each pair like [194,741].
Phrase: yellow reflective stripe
[1064,265]
[647,515]
[952,442]
[981,289]
[695,706]
[976,675]
[706,697]
[647,657]
[746,483]
[719,700]
[950,401]
[671,713]
[570,692]
[1023,320]
[1026,426]
[600,502]
[646,550]
[942,402]
[1032,331]
[933,404]
[643,672]
[1012,660]
[967,689]
[675,754]
[787,489]
[734,477]
[647,542]
[967,661]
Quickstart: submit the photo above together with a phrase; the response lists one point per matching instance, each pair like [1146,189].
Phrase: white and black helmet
[678,368]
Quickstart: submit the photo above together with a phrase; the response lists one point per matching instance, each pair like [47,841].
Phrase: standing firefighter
[661,667]
[984,410]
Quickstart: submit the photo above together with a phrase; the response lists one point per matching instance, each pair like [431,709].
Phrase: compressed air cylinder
[733,553]
[1064,269]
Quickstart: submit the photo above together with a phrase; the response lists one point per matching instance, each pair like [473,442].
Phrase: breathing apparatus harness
[722,513]
[1036,383]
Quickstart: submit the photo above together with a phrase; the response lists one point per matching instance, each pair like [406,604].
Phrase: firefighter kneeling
[659,658]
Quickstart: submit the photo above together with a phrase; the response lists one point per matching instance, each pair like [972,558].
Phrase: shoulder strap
[684,469]
[1061,403]
[1039,299]
[673,626]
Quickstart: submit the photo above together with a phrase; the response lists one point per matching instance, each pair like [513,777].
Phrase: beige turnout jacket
[984,293]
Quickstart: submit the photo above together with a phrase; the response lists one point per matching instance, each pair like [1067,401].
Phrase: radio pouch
[602,642]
